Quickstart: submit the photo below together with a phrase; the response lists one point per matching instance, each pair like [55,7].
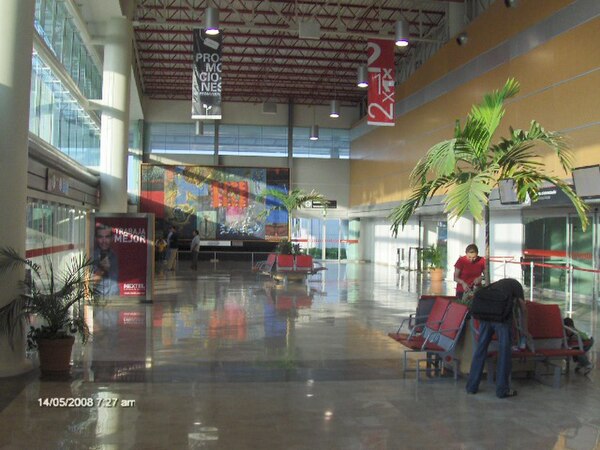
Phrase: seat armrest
[575,333]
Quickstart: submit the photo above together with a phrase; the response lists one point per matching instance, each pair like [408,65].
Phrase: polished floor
[222,359]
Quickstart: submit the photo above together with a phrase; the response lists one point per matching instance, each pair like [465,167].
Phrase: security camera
[462,39]
[510,3]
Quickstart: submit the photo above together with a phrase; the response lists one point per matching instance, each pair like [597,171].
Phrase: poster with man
[122,254]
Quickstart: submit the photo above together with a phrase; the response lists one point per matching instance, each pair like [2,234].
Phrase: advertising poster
[382,91]
[121,250]
[206,78]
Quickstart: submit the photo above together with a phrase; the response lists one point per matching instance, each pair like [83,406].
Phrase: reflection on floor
[224,360]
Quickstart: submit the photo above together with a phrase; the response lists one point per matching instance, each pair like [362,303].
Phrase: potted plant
[433,260]
[285,247]
[469,166]
[290,201]
[54,298]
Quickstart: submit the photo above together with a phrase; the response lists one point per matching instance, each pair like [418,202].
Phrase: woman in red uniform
[468,270]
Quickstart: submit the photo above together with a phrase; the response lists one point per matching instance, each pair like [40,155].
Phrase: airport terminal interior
[126,122]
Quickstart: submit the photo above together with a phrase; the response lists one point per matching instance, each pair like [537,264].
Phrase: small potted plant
[433,261]
[54,298]
[285,247]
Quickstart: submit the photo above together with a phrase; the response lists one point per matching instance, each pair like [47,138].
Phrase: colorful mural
[222,203]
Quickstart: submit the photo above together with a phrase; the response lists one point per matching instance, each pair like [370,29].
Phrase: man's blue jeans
[504,334]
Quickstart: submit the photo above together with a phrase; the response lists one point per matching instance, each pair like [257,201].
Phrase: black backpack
[492,304]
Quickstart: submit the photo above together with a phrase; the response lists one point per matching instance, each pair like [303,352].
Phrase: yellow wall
[560,83]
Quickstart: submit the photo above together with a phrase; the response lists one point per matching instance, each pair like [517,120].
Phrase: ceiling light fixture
[211,20]
[314,132]
[362,76]
[402,33]
[335,109]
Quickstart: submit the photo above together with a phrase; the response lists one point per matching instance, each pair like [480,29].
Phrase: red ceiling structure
[265,55]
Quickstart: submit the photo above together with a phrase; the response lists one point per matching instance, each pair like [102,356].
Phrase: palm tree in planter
[433,260]
[469,166]
[290,201]
[57,300]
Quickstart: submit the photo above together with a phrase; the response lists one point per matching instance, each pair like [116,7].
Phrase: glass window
[58,33]
[67,50]
[332,143]
[180,138]
[55,26]
[48,21]
[50,226]
[56,117]
[252,140]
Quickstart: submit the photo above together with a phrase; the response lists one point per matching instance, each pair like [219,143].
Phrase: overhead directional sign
[329,204]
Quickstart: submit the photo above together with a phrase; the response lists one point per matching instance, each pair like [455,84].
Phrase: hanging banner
[381,82]
[206,80]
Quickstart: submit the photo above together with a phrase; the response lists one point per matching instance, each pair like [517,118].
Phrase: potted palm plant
[55,300]
[469,166]
[290,201]
[433,260]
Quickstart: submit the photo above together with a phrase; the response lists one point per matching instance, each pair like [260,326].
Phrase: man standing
[468,270]
[512,289]
[173,246]
[106,263]
[195,249]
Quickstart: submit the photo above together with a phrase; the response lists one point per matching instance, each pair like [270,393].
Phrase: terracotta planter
[436,274]
[55,355]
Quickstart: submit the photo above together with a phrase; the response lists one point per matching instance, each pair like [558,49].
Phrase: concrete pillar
[16,23]
[115,115]
[507,233]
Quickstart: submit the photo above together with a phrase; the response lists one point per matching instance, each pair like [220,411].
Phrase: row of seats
[278,264]
[435,335]
[436,327]
[547,346]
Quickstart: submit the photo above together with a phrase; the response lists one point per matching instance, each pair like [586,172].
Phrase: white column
[16,23]
[115,115]
[507,233]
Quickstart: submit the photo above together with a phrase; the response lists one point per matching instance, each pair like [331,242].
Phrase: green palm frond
[47,294]
[470,193]
[442,158]
[469,166]
[401,214]
[292,200]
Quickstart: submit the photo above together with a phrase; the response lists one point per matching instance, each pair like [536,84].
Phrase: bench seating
[547,348]
[265,267]
[437,338]
[288,267]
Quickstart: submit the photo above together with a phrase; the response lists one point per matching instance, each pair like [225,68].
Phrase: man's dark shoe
[510,393]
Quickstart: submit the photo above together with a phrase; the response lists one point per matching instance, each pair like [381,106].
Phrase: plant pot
[436,274]
[55,355]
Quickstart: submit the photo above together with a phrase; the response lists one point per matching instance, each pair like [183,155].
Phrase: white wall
[506,240]
[378,245]
[330,177]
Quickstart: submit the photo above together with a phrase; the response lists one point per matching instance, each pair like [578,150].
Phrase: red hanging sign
[381,83]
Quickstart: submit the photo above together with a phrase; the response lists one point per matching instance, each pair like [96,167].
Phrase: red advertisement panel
[381,82]
[153,202]
[120,249]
